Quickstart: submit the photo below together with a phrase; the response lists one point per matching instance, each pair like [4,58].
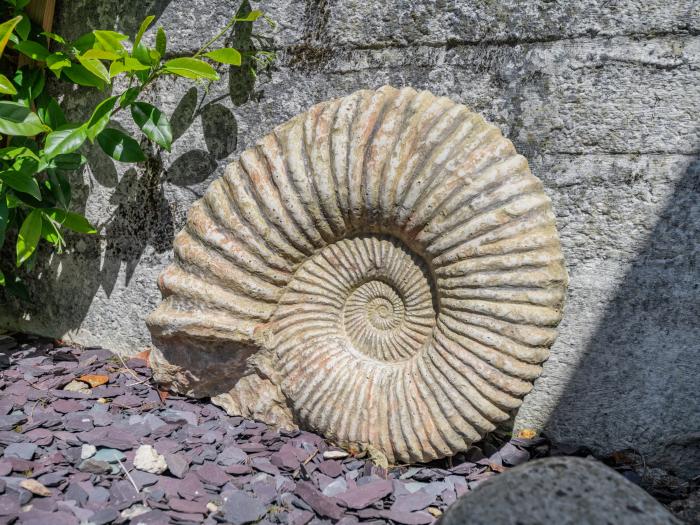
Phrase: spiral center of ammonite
[388,314]
[376,303]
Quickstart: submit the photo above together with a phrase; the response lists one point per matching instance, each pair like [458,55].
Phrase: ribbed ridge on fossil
[395,263]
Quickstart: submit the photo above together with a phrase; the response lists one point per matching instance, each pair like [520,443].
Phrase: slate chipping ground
[69,451]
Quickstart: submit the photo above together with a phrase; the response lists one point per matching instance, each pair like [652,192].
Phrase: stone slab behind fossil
[602,99]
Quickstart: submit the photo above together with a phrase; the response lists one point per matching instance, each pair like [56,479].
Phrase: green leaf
[153,123]
[21,182]
[53,36]
[144,25]
[4,217]
[128,96]
[6,87]
[68,161]
[141,54]
[2,278]
[23,27]
[17,119]
[100,117]
[190,68]
[120,146]
[59,187]
[30,84]
[26,165]
[49,232]
[95,67]
[250,17]
[126,64]
[64,141]
[109,40]
[69,219]
[6,29]
[161,41]
[28,237]
[100,54]
[52,114]
[81,76]
[226,55]
[12,152]
[33,50]
[57,61]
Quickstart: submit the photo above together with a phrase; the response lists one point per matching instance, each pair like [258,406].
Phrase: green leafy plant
[40,146]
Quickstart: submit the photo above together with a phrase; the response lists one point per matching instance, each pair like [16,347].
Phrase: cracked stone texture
[601,97]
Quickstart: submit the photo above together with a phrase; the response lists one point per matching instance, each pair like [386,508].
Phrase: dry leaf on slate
[35,487]
[94,379]
[527,433]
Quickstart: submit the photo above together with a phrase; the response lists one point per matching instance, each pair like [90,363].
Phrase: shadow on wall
[645,356]
[142,216]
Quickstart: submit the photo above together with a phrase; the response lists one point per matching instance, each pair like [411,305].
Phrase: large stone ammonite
[383,269]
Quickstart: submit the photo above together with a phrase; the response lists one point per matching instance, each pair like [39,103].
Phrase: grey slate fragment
[20,450]
[239,508]
[178,464]
[365,495]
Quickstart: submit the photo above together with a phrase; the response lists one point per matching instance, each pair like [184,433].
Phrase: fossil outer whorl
[383,269]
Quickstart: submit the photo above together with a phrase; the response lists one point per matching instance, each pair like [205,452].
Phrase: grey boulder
[561,490]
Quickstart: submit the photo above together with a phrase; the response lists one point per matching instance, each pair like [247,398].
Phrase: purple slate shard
[8,436]
[299,517]
[210,473]
[264,465]
[238,470]
[67,406]
[239,508]
[52,479]
[9,505]
[412,502]
[20,450]
[324,506]
[179,416]
[178,464]
[513,455]
[143,479]
[191,487]
[188,506]
[101,517]
[11,421]
[363,496]
[407,518]
[331,468]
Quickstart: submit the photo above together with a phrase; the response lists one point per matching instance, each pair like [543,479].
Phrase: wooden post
[41,12]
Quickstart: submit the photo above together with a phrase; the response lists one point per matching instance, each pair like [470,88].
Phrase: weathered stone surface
[392,261]
[601,97]
[562,490]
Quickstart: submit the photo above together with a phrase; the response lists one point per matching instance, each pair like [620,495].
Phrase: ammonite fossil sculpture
[383,269]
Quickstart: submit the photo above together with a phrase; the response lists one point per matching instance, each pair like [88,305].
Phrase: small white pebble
[133,511]
[335,454]
[148,460]
[87,451]
[212,507]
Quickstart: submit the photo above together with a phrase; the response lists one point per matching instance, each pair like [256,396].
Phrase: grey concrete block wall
[602,97]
